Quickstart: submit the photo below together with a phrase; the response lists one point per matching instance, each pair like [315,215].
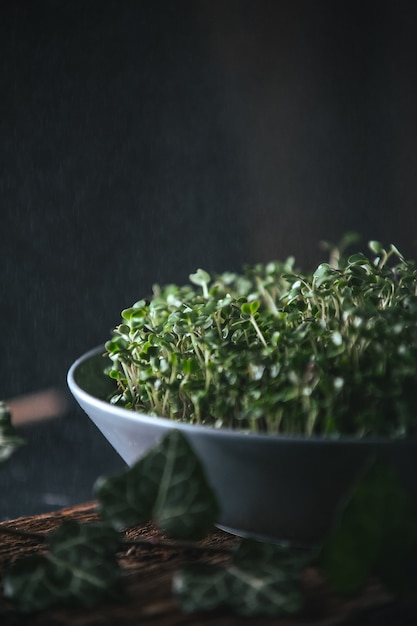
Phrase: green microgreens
[329,352]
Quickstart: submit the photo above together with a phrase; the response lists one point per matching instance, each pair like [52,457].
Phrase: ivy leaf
[167,485]
[30,584]
[283,556]
[263,579]
[127,498]
[80,569]
[9,440]
[376,532]
[202,587]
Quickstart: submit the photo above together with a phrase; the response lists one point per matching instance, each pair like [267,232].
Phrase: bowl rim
[143,418]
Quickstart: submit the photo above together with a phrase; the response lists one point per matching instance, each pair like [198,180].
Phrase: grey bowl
[271,487]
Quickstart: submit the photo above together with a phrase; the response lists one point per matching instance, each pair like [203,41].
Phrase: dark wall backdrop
[141,140]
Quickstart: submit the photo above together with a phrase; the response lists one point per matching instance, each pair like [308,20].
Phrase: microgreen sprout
[276,350]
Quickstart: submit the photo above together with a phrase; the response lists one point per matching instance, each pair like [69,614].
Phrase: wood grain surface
[148,573]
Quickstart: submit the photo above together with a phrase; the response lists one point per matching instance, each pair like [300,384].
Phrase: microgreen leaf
[201,278]
[167,485]
[376,247]
[263,579]
[376,532]
[9,440]
[80,569]
[322,274]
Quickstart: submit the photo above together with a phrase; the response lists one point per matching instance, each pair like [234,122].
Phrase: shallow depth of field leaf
[9,440]
[376,532]
[263,579]
[80,569]
[167,485]
[202,587]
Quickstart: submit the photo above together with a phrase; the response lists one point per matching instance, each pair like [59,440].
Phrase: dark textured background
[141,140]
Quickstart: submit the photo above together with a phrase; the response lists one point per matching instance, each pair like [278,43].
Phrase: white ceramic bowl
[271,487]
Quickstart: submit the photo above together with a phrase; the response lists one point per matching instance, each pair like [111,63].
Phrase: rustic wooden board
[148,575]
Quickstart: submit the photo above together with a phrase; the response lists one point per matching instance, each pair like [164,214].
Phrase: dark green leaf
[167,485]
[202,587]
[9,440]
[283,556]
[80,570]
[375,532]
[186,506]
[30,584]
[127,498]
[262,580]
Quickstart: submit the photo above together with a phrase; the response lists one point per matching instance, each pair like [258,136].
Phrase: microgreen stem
[258,331]
[266,296]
